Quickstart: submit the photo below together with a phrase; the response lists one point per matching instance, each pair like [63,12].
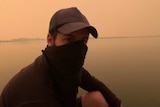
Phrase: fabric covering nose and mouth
[66,62]
[69,56]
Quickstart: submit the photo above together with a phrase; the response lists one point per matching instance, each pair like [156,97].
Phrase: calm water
[128,66]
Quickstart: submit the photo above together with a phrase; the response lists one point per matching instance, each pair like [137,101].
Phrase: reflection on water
[129,66]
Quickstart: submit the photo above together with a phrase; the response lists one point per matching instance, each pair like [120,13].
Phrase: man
[52,80]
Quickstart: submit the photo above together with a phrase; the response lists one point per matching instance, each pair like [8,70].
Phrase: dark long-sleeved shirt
[34,86]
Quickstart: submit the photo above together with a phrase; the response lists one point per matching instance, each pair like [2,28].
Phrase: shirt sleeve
[90,83]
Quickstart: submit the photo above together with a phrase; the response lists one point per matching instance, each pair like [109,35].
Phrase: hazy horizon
[109,37]
[23,18]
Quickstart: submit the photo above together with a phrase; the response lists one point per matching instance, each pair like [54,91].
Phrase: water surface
[130,67]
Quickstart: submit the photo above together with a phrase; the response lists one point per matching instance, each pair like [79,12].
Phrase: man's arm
[90,83]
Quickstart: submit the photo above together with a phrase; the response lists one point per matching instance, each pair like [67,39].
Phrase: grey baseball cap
[69,20]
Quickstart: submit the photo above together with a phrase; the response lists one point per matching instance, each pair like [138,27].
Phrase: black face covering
[66,62]
[67,57]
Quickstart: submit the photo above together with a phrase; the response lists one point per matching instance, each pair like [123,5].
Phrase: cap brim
[72,27]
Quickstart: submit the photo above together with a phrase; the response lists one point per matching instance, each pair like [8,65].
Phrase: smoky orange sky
[112,18]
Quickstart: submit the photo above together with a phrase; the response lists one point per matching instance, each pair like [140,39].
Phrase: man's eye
[70,39]
[85,41]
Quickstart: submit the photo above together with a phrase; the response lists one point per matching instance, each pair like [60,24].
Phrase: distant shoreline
[121,37]
[40,39]
[22,39]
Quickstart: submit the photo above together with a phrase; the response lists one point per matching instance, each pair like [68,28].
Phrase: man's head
[67,21]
